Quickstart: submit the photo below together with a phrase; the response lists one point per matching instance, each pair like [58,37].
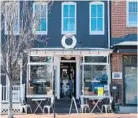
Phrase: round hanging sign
[65,37]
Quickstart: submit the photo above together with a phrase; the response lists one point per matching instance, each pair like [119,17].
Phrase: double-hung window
[68,17]
[12,18]
[132,13]
[40,12]
[96,17]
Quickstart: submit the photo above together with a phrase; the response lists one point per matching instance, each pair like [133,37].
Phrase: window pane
[95,78]
[37,8]
[99,24]
[132,6]
[93,24]
[72,24]
[72,10]
[40,80]
[93,10]
[65,24]
[46,59]
[95,59]
[100,11]
[16,26]
[43,24]
[65,10]
[43,12]
[132,18]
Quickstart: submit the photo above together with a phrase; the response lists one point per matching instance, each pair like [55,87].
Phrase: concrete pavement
[84,115]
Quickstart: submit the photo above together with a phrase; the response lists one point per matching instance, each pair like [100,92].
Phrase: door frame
[124,88]
[77,58]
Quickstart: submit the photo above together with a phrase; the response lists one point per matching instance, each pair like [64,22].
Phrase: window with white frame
[40,12]
[40,76]
[96,19]
[95,75]
[68,17]
[132,13]
[12,18]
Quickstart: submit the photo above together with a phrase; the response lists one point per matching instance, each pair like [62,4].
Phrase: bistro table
[38,101]
[96,99]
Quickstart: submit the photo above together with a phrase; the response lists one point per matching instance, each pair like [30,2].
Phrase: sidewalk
[84,115]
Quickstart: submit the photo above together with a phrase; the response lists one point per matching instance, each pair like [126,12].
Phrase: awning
[125,47]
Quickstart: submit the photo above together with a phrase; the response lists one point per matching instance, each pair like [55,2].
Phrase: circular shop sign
[65,45]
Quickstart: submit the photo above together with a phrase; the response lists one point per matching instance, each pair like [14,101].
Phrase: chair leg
[30,109]
[43,110]
[106,109]
[49,110]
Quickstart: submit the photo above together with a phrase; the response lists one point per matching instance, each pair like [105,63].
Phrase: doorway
[67,79]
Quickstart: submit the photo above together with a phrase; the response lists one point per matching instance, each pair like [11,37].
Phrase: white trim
[127,14]
[5,24]
[96,32]
[66,32]
[40,32]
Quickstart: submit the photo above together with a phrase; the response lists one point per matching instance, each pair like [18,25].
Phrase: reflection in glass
[95,80]
[41,79]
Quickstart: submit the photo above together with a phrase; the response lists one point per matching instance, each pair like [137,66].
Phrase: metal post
[54,90]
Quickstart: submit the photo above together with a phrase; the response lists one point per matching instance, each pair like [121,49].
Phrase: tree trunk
[10,114]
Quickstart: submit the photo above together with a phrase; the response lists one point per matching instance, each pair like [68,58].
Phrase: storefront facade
[53,68]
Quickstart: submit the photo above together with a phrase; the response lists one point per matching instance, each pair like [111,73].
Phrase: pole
[54,90]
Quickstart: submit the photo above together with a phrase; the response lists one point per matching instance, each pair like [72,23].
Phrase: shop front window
[95,76]
[41,76]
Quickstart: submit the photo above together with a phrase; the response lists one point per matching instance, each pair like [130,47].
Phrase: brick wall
[118,20]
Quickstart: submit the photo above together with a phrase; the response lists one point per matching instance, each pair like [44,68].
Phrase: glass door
[130,85]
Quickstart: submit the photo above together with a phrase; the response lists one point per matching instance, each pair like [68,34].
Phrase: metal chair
[49,106]
[24,106]
[108,107]
[83,105]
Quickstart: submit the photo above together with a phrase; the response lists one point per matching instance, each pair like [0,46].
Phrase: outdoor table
[38,101]
[96,99]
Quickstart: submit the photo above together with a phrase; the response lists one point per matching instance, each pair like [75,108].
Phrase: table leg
[38,106]
[96,105]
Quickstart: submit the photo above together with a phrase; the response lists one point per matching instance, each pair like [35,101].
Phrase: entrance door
[130,85]
[67,79]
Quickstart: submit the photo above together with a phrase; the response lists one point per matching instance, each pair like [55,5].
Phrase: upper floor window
[68,17]
[40,13]
[12,18]
[132,13]
[96,18]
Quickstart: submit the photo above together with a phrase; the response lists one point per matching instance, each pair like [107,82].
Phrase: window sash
[96,18]
[14,14]
[41,18]
[68,18]
[132,13]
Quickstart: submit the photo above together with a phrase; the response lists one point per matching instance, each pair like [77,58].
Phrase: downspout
[109,24]
[0,42]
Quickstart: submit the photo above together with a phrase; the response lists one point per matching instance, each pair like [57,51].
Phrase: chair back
[52,101]
[23,102]
[111,100]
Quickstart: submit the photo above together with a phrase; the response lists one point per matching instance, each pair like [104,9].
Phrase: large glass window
[96,18]
[40,16]
[68,17]
[12,18]
[95,76]
[132,13]
[40,76]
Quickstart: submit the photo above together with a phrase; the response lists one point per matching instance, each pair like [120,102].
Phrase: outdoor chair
[108,106]
[24,106]
[49,106]
[83,105]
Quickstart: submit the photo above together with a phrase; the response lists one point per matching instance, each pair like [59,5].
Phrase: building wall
[118,20]
[117,66]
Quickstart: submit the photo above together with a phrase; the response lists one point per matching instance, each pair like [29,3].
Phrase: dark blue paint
[129,37]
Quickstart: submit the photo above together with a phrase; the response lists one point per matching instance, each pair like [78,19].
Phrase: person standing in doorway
[70,87]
